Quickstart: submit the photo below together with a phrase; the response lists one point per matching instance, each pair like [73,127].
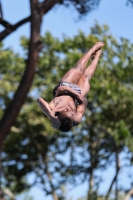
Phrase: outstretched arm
[46,109]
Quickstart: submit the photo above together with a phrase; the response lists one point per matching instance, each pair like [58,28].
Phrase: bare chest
[62,102]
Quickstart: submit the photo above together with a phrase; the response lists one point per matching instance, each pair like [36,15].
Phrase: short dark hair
[66,122]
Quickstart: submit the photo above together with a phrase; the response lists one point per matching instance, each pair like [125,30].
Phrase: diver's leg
[83,83]
[74,74]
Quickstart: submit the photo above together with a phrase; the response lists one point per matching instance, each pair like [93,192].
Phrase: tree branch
[8,193]
[55,197]
[128,194]
[10,28]
[130,1]
[5,23]
[115,177]
[1,10]
[47,5]
[42,7]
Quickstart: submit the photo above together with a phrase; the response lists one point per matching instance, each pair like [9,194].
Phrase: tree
[106,131]
[130,2]
[38,9]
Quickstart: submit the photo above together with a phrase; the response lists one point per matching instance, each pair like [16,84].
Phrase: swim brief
[73,86]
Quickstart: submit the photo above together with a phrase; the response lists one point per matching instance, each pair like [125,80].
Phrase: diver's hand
[62,90]
[55,122]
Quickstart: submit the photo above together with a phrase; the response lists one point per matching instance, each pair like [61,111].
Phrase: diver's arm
[65,90]
[80,112]
[47,111]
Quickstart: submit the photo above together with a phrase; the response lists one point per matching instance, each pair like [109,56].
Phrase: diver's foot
[96,54]
[97,47]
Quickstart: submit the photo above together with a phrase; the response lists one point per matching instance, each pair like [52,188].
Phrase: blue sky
[61,21]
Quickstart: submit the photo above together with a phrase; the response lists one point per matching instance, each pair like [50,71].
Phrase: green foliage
[82,6]
[55,158]
[11,71]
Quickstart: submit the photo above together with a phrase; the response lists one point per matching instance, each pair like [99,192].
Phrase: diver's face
[68,112]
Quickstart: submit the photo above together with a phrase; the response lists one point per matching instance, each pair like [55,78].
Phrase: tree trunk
[91,173]
[117,170]
[37,11]
[20,95]
[90,186]
[54,196]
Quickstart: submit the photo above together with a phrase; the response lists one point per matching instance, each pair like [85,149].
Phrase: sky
[61,21]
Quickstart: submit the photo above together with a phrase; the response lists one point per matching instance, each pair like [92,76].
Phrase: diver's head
[66,119]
